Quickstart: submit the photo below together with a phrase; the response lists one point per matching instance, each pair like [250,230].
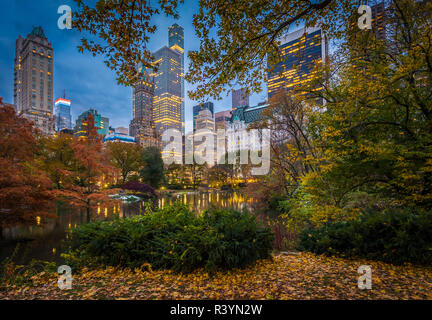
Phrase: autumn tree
[377,124]
[125,156]
[153,167]
[293,149]
[57,158]
[122,29]
[217,175]
[236,37]
[91,173]
[25,190]
[196,172]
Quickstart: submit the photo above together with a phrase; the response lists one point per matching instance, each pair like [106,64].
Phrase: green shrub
[172,238]
[394,236]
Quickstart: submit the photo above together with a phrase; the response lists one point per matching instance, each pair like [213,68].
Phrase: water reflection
[200,201]
[45,240]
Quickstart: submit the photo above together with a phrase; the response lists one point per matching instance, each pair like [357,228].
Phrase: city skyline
[85,78]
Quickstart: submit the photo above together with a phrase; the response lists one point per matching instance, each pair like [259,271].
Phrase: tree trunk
[88,211]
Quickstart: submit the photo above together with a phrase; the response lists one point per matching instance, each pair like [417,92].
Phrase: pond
[45,242]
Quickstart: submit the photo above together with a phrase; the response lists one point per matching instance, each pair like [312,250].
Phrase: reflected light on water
[50,235]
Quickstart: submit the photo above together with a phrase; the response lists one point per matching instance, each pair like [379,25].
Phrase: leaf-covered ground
[302,276]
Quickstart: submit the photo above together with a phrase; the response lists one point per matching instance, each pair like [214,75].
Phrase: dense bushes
[394,236]
[172,238]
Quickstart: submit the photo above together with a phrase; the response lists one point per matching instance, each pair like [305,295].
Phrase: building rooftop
[119,137]
[38,32]
[247,114]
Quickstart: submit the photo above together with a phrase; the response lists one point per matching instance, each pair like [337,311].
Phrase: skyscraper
[239,98]
[202,106]
[176,43]
[142,126]
[167,101]
[222,119]
[205,120]
[102,123]
[63,114]
[205,125]
[300,51]
[33,80]
[378,23]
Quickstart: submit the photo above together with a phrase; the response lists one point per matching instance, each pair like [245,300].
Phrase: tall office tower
[176,43]
[100,122]
[300,51]
[167,101]
[205,120]
[33,80]
[142,126]
[205,125]
[378,20]
[202,106]
[222,119]
[63,114]
[240,98]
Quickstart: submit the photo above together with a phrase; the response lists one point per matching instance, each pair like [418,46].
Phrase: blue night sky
[86,79]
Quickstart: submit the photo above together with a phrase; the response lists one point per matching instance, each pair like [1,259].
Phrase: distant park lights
[65,20]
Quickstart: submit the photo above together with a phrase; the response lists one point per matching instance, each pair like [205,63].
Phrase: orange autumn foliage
[83,186]
[25,190]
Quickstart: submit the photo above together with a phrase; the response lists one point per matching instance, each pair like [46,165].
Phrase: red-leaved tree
[25,190]
[84,185]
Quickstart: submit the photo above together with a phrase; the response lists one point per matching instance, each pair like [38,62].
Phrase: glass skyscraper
[102,123]
[142,126]
[300,51]
[167,101]
[63,114]
[176,43]
[239,98]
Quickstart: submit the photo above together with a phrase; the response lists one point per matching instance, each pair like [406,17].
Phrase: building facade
[142,125]
[239,98]
[301,51]
[222,119]
[119,137]
[378,20]
[176,43]
[198,108]
[205,120]
[241,119]
[63,118]
[167,101]
[33,80]
[122,130]
[102,123]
